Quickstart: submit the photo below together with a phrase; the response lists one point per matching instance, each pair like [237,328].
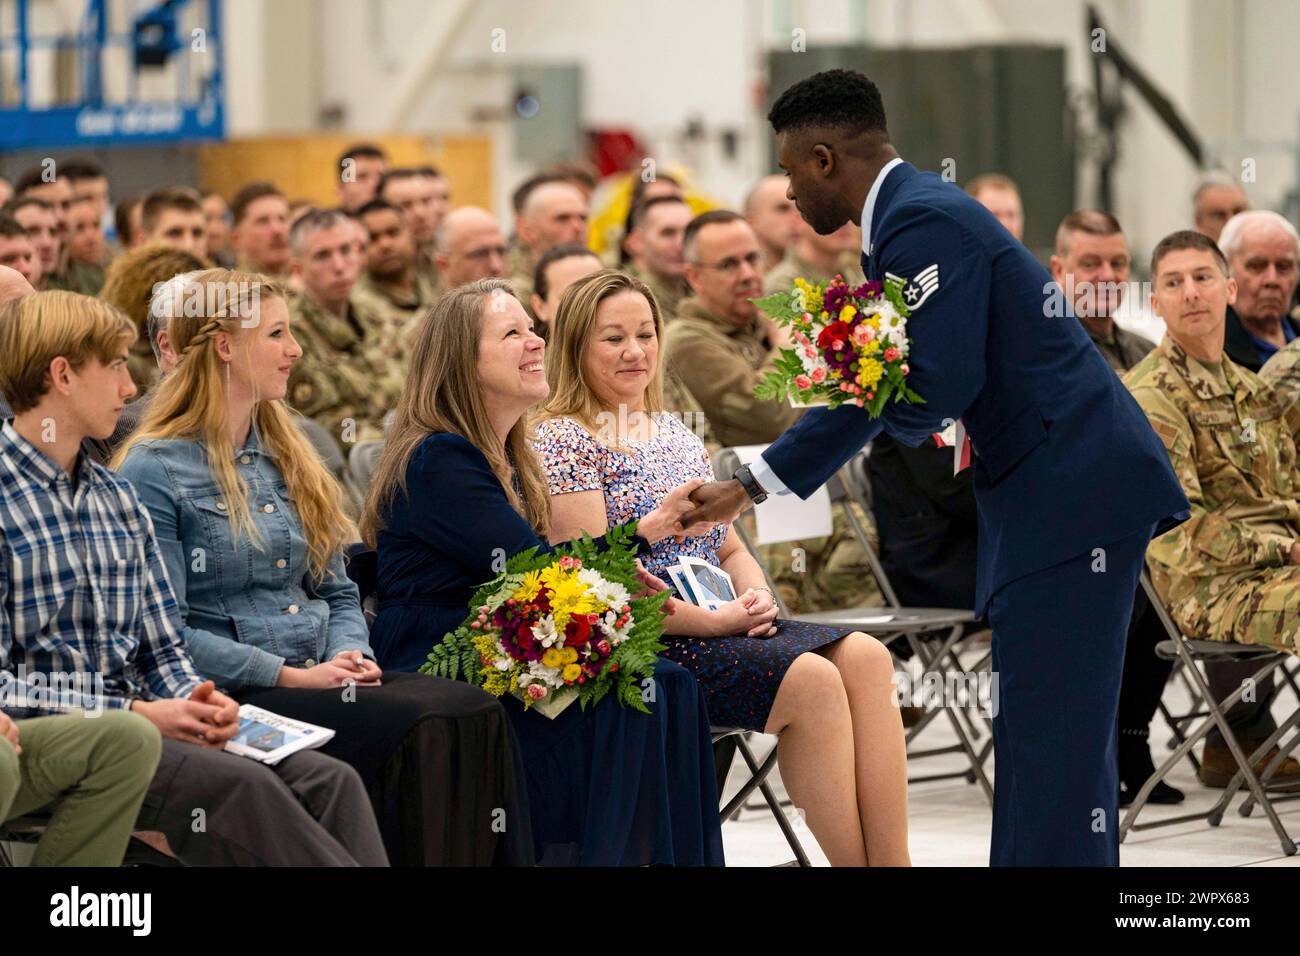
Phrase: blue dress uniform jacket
[1065,461]
[1070,484]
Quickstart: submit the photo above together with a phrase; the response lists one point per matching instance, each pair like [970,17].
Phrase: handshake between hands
[693,509]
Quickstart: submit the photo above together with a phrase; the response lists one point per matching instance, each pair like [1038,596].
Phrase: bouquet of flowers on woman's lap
[560,627]
[848,345]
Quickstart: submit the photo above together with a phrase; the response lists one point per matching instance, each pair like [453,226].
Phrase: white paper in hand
[788,517]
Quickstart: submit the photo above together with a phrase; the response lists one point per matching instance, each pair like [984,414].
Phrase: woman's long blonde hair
[191,403]
[572,396]
[443,394]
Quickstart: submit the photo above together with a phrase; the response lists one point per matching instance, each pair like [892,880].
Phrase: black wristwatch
[750,484]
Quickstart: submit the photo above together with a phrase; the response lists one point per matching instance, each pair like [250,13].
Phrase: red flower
[578,631]
[836,330]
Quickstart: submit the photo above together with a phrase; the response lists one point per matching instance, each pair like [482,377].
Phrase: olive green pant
[92,772]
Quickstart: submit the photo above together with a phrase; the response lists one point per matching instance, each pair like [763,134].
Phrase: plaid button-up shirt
[89,619]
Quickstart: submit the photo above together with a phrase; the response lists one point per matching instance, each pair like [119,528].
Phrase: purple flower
[833,299]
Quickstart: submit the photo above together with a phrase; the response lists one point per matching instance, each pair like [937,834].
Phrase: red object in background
[615,150]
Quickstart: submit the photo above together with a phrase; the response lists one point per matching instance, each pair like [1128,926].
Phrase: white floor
[950,819]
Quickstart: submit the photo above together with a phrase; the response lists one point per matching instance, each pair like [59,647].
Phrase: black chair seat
[1215,651]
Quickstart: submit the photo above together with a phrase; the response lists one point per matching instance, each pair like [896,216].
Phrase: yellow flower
[553,657]
[569,655]
[847,313]
[572,672]
[871,348]
[869,372]
[569,595]
[532,583]
[812,295]
[485,645]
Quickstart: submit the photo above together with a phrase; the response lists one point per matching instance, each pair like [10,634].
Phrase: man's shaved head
[13,285]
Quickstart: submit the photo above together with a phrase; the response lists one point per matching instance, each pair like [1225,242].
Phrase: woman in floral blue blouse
[611,453]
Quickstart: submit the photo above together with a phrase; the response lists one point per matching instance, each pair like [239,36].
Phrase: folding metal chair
[361,467]
[1190,652]
[30,828]
[758,774]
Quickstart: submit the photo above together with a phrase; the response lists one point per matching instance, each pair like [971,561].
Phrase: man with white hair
[1218,197]
[1263,253]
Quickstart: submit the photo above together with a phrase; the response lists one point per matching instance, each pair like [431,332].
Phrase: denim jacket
[249,608]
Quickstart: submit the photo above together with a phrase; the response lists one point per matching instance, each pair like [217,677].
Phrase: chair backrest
[1171,627]
[324,443]
[361,465]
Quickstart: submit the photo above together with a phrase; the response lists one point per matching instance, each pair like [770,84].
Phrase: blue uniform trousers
[1058,656]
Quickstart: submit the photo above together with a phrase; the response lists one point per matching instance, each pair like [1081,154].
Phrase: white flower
[539,673]
[544,631]
[891,321]
[799,300]
[606,592]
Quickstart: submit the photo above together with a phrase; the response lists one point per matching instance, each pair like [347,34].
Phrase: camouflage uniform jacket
[377,297]
[520,264]
[1122,350]
[78,277]
[351,369]
[780,278]
[1282,372]
[1232,443]
[427,269]
[667,292]
[719,364]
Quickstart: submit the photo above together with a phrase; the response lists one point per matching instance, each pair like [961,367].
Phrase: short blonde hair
[38,328]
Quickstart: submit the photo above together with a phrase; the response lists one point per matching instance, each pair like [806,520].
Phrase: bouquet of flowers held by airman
[559,627]
[847,345]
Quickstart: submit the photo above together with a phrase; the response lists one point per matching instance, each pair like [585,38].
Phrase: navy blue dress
[606,786]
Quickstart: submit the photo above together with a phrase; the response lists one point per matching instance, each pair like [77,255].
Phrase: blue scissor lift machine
[132,72]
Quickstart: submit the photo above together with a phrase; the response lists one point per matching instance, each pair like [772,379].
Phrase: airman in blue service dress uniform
[1070,481]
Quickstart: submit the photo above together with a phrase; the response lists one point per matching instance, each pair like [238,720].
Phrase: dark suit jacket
[1066,460]
[1238,344]
[927,521]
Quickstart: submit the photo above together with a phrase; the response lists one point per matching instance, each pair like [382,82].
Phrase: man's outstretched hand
[717,502]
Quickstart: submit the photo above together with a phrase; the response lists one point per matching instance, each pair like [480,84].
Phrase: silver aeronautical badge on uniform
[917,290]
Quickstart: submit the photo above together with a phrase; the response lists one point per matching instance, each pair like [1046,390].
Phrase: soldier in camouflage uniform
[719,347]
[1230,573]
[818,259]
[352,367]
[549,212]
[1282,372]
[655,247]
[390,285]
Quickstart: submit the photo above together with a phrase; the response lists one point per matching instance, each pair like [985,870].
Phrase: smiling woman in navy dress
[457,491]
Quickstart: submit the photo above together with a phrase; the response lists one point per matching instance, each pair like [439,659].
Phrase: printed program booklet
[269,738]
[702,584]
